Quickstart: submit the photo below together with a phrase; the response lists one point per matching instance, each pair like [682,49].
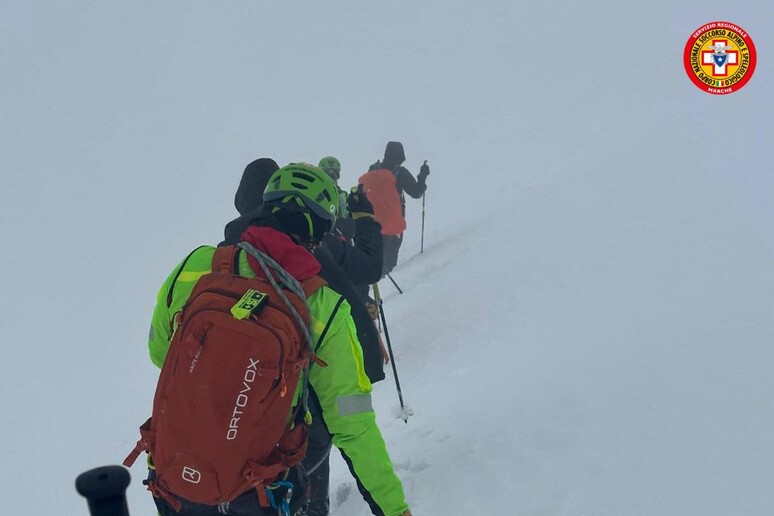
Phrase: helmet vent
[324,195]
[302,176]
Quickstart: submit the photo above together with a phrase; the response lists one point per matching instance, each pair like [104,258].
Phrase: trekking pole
[393,282]
[422,241]
[105,490]
[405,413]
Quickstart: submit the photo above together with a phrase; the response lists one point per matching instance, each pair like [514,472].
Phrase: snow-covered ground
[590,330]
[563,361]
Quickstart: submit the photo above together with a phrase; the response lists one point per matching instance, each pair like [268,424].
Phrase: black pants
[317,463]
[246,504]
[390,249]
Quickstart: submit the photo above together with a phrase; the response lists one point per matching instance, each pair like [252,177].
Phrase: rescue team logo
[720,58]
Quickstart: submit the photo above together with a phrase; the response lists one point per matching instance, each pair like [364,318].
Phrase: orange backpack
[222,419]
[381,188]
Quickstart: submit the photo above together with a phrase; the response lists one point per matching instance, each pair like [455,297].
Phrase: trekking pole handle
[105,490]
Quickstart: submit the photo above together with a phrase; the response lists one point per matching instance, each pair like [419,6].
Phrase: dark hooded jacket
[254,180]
[249,195]
[394,156]
[343,266]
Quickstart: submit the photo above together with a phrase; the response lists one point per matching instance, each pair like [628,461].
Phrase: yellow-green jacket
[342,387]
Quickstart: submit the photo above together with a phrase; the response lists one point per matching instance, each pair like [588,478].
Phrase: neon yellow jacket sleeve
[344,392]
[176,290]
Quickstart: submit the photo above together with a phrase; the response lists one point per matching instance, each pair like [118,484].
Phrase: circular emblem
[719,57]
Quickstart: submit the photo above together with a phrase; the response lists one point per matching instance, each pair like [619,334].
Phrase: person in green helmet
[300,205]
[332,166]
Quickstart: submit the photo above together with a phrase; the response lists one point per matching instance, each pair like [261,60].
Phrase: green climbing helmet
[331,166]
[303,188]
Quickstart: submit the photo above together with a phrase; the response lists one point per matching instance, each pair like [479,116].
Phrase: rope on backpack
[292,284]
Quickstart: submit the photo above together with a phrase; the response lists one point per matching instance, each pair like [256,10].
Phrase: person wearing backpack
[349,264]
[230,334]
[346,263]
[349,267]
[386,184]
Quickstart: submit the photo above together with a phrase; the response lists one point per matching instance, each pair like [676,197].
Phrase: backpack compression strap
[312,285]
[225,261]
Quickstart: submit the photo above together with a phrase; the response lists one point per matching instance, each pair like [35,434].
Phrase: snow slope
[590,328]
[578,363]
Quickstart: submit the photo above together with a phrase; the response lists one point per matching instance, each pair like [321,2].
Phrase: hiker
[299,207]
[349,265]
[343,262]
[386,184]
[347,272]
[247,199]
[344,223]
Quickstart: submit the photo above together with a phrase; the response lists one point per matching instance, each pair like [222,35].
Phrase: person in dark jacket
[361,269]
[344,265]
[394,156]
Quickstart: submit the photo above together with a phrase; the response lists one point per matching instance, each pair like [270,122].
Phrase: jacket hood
[294,258]
[249,195]
[393,155]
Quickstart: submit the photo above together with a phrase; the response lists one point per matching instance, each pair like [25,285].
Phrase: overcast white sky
[124,128]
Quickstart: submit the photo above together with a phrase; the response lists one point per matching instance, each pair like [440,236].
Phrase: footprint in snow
[342,494]
[412,466]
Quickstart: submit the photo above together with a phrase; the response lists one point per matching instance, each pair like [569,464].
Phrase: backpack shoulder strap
[312,285]
[225,260]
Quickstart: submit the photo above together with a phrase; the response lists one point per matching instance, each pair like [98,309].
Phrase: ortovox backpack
[381,188]
[222,419]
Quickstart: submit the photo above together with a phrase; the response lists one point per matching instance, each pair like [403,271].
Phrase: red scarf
[294,258]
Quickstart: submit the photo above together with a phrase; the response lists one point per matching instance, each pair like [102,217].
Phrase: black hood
[256,217]
[393,155]
[249,195]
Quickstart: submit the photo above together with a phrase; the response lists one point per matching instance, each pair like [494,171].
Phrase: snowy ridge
[566,362]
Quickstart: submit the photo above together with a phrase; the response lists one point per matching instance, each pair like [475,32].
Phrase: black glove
[424,171]
[358,204]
